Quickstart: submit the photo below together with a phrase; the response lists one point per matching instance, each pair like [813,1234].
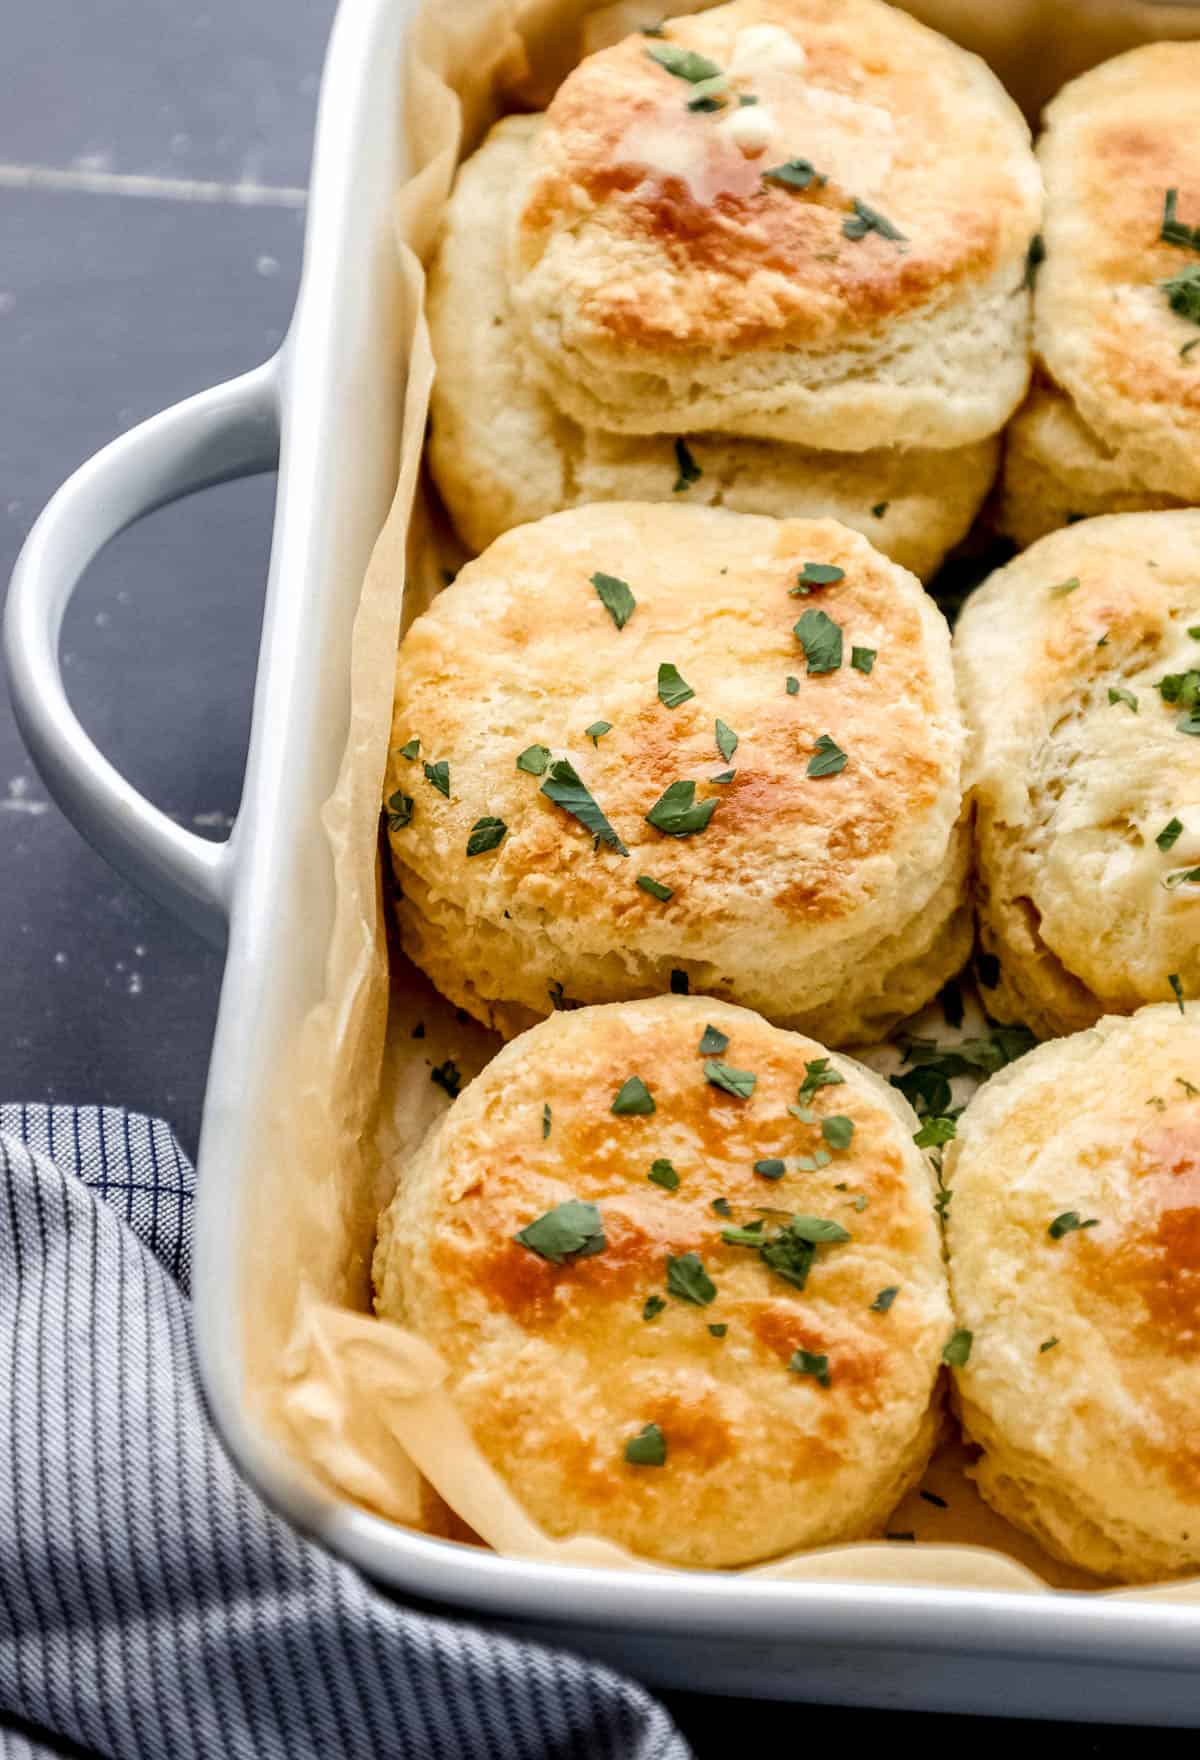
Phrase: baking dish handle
[229,431]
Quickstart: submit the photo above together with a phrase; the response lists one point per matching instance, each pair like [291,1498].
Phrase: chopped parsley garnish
[713,1041]
[957,1348]
[828,758]
[1118,694]
[534,760]
[689,470]
[1177,988]
[817,574]
[1035,256]
[447,1076]
[771,1168]
[652,1307]
[709,94]
[1068,1223]
[1189,1088]
[885,1298]
[1183,292]
[597,731]
[663,1174]
[793,686]
[718,1328]
[616,598]
[880,508]
[788,1252]
[862,659]
[655,888]
[1047,1344]
[410,750]
[1173,230]
[794,174]
[400,810]
[727,740]
[1181,877]
[680,982]
[810,1363]
[547,1120]
[722,1207]
[864,220]
[1189,723]
[739,1082]
[572,1230]
[687,1279]
[723,776]
[1064,587]
[438,776]
[838,1131]
[633,1097]
[486,834]
[1180,687]
[684,63]
[1168,837]
[673,688]
[926,1086]
[677,813]
[936,1131]
[817,1074]
[648,1448]
[821,639]
[567,791]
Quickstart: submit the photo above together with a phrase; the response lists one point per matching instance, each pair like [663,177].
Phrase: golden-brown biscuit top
[668,236]
[1074,1234]
[558,1365]
[520,652]
[1117,140]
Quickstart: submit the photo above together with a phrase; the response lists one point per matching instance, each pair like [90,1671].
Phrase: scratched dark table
[153,158]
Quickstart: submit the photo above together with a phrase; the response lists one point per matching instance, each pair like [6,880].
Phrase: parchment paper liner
[358,1403]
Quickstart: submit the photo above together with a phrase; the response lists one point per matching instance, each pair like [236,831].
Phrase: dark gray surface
[111,307]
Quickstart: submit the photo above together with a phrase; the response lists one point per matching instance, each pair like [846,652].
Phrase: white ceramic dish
[333,416]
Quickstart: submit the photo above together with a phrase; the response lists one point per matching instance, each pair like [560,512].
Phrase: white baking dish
[330,402]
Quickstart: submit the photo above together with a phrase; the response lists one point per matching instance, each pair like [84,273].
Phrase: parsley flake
[663,1174]
[655,888]
[1168,837]
[818,1074]
[687,1279]
[721,1206]
[821,639]
[673,688]
[828,758]
[648,1448]
[486,834]
[1035,256]
[568,791]
[863,659]
[771,1168]
[438,776]
[957,1349]
[838,1131]
[633,1099]
[885,1298]
[689,470]
[684,63]
[793,686]
[652,1307]
[727,740]
[400,810]
[1068,1223]
[1183,292]
[1181,877]
[597,731]
[1177,987]
[810,1363]
[677,813]
[547,1120]
[817,574]
[410,750]
[1173,230]
[1064,587]
[1118,694]
[718,1328]
[713,1042]
[864,220]
[936,1131]
[794,174]
[534,760]
[1047,1344]
[738,1082]
[572,1230]
[616,598]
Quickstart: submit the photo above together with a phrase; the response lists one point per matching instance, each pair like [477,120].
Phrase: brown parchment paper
[359,1404]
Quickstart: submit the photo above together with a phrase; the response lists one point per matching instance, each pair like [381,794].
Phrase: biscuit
[1056,471]
[1074,1248]
[808,1415]
[1077,672]
[819,872]
[1108,332]
[662,283]
[502,454]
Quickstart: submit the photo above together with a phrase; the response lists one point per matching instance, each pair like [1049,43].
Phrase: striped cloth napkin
[151,1607]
